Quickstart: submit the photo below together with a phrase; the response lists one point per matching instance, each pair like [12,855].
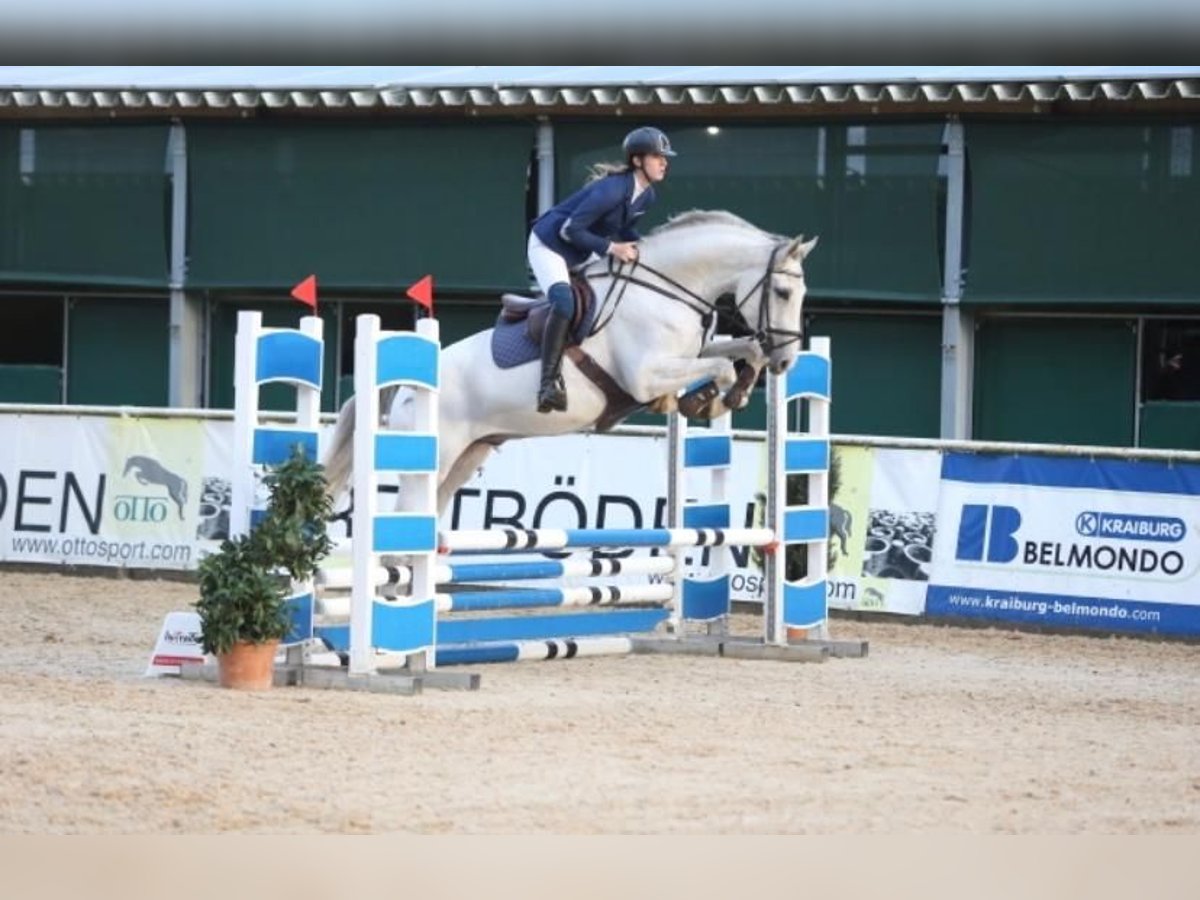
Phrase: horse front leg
[749,360]
[664,379]
[746,348]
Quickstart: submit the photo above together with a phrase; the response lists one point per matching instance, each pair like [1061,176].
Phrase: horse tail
[339,459]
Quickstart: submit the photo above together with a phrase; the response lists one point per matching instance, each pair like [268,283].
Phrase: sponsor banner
[1093,543]
[1084,543]
[103,491]
[883,517]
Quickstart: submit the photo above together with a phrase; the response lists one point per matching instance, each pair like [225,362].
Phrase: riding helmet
[646,140]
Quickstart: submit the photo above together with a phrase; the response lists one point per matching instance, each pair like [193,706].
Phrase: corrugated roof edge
[560,98]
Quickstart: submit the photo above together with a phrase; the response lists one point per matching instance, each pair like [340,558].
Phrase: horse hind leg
[461,471]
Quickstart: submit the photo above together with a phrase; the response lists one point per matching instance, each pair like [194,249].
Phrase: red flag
[306,292]
[422,293]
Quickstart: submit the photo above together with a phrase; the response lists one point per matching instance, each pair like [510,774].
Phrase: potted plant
[244,587]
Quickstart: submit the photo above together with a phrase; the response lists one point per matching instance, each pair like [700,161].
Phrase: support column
[545,158]
[958,325]
[185,386]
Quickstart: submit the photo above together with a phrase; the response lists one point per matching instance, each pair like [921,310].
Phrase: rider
[597,219]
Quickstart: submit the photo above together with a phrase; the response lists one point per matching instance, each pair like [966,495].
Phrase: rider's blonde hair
[603,169]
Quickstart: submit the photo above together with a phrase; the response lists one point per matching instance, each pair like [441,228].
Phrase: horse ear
[799,249]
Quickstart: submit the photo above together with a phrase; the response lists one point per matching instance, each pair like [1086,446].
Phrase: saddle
[619,405]
[536,310]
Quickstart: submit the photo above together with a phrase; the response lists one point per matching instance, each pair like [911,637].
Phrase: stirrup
[552,397]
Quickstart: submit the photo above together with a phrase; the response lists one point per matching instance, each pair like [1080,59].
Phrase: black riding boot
[552,395]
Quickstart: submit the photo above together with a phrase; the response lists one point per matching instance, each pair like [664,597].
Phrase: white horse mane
[699,217]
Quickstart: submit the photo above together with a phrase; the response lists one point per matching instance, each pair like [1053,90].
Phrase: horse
[651,337]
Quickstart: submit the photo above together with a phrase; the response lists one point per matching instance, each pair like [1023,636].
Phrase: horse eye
[783,292]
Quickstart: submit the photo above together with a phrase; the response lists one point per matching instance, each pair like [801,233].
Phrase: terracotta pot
[247,667]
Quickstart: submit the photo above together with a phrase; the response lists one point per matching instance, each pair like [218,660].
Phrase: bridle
[770,336]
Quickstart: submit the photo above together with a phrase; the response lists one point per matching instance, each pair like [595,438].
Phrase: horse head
[770,297]
[703,255]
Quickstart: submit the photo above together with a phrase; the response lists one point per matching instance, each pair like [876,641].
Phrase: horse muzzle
[781,360]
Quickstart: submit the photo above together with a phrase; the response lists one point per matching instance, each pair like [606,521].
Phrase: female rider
[597,219]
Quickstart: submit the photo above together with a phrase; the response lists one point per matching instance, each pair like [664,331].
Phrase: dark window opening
[31,331]
[1171,360]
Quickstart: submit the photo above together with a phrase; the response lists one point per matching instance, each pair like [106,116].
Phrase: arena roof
[181,89]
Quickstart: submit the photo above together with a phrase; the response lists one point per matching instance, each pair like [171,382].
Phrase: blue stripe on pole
[525,598]
[805,525]
[704,601]
[407,359]
[473,655]
[563,625]
[808,377]
[273,446]
[707,451]
[290,356]
[804,605]
[707,515]
[618,537]
[300,615]
[406,453]
[404,533]
[806,455]
[463,572]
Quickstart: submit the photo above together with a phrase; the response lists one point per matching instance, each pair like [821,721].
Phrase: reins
[766,333]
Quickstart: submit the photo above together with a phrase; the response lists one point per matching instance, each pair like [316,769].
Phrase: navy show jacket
[592,217]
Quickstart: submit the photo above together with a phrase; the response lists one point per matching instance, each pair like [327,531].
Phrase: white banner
[106,490]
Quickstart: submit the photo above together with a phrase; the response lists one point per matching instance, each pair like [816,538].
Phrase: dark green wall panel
[871,193]
[1170,426]
[462,319]
[1084,212]
[362,205]
[84,204]
[886,373]
[119,351]
[30,384]
[886,376]
[1055,381]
